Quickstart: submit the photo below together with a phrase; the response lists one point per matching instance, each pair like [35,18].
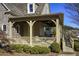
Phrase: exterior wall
[3,18]
[24,29]
[36,6]
[20,9]
[14,33]
[46,9]
[37,27]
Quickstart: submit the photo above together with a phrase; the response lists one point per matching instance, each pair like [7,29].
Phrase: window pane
[47,31]
[4,27]
[31,7]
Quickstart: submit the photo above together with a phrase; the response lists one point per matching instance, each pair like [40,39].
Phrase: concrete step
[68,49]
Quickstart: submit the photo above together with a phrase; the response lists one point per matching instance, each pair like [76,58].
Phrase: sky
[60,8]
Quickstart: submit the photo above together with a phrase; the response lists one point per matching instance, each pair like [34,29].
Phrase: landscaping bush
[35,50]
[76,45]
[17,48]
[26,49]
[39,50]
[44,50]
[55,47]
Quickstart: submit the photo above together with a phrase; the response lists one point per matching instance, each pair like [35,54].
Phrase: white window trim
[2,26]
[28,10]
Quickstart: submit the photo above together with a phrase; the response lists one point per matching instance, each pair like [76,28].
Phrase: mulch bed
[77,53]
[8,53]
[24,54]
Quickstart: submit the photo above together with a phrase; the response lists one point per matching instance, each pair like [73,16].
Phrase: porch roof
[38,17]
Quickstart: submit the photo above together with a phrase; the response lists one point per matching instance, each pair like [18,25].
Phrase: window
[4,27]
[30,7]
[47,31]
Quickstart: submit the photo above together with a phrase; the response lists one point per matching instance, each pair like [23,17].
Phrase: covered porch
[36,29]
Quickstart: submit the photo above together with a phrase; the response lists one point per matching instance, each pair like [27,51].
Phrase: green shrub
[55,47]
[44,50]
[26,49]
[35,50]
[17,47]
[39,50]
[76,45]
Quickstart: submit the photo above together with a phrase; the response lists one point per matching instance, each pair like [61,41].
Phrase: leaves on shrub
[76,45]
[55,47]
[28,49]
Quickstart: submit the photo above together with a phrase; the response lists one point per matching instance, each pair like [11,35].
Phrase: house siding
[3,17]
[46,9]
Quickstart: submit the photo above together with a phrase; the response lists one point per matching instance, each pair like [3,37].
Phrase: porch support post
[10,29]
[31,33]
[57,31]
[31,26]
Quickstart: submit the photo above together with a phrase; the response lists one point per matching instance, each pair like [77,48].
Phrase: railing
[72,42]
[69,42]
[44,40]
[35,40]
[20,40]
[26,39]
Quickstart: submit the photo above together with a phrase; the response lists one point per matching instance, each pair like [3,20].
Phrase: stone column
[10,29]
[57,31]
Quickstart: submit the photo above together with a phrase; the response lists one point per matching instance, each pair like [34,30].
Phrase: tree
[73,10]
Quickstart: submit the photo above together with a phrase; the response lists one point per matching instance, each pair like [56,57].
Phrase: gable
[20,9]
[46,9]
[2,8]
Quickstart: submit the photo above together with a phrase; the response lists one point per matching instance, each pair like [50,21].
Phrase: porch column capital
[32,22]
[54,21]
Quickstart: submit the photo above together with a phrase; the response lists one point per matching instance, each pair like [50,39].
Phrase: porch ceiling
[38,18]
